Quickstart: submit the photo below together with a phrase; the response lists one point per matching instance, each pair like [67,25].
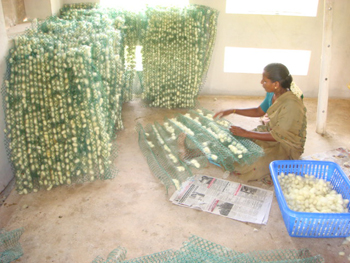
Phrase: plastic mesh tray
[315,225]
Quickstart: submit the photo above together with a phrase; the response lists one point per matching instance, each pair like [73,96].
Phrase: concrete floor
[78,223]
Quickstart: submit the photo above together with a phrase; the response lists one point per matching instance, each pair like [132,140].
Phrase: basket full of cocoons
[313,197]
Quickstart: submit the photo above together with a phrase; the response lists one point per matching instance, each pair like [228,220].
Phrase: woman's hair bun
[279,72]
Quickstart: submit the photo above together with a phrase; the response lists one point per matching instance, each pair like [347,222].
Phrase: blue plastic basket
[318,225]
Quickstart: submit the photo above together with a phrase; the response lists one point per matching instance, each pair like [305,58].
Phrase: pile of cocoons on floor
[310,194]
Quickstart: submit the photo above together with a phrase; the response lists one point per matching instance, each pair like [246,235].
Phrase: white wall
[56,6]
[280,32]
[340,65]
[6,172]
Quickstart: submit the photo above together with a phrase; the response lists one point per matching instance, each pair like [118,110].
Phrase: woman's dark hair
[279,72]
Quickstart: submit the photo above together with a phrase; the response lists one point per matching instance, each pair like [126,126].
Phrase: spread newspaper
[221,197]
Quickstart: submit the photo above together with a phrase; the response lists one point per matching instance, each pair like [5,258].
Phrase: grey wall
[280,32]
[5,168]
[15,12]
[40,9]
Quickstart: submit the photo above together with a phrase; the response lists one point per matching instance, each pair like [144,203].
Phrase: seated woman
[282,136]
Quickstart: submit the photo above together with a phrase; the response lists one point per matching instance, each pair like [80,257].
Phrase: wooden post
[322,103]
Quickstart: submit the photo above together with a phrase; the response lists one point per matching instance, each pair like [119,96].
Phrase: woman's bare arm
[250,112]
[262,136]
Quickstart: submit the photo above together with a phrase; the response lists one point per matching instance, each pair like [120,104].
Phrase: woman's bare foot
[181,146]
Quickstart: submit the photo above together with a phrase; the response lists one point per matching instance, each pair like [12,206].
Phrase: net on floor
[10,248]
[117,255]
[161,156]
[68,76]
[197,249]
[190,141]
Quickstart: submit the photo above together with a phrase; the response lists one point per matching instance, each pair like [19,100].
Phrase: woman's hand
[262,136]
[238,131]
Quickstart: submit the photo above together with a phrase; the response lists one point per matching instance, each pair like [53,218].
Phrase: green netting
[177,47]
[117,255]
[185,144]
[67,7]
[243,149]
[134,29]
[175,71]
[68,76]
[201,250]
[171,134]
[138,85]
[206,142]
[283,256]
[63,98]
[197,249]
[191,141]
[164,256]
[10,248]
[162,160]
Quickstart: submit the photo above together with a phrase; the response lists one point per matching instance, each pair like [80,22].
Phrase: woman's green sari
[287,124]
